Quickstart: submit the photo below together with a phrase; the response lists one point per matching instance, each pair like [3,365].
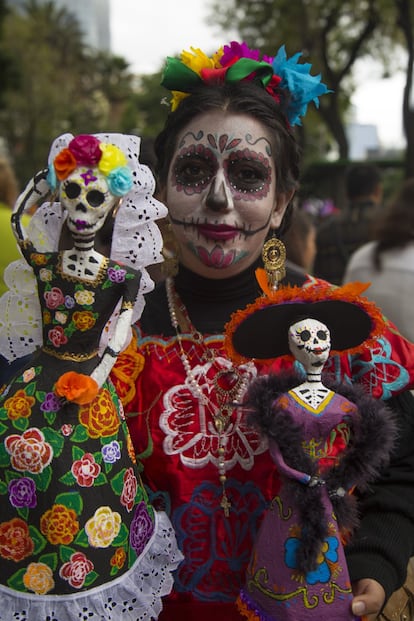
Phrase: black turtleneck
[209,302]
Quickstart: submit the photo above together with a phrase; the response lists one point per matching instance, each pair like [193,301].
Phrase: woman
[78,538]
[387,263]
[228,166]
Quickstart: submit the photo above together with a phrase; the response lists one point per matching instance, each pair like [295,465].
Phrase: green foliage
[145,113]
[63,85]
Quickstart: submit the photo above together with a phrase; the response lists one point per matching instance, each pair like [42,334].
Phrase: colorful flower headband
[87,150]
[237,62]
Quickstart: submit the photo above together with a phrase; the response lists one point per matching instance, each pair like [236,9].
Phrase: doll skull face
[310,342]
[86,197]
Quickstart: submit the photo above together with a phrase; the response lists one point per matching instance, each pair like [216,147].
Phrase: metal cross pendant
[225,504]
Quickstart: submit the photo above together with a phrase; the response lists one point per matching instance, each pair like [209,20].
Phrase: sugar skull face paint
[310,343]
[221,193]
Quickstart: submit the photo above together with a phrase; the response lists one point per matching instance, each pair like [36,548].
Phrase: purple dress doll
[325,439]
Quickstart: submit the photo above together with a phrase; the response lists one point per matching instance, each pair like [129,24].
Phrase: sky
[146,33]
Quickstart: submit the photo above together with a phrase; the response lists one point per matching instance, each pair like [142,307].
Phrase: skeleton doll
[77,533]
[325,439]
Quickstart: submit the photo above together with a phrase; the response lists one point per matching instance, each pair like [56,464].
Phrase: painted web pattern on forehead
[137,242]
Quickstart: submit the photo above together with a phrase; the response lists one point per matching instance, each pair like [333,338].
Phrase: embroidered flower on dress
[103,527]
[59,525]
[29,374]
[141,529]
[19,405]
[38,578]
[111,452]
[76,569]
[86,470]
[29,452]
[129,490]
[84,297]
[51,403]
[22,493]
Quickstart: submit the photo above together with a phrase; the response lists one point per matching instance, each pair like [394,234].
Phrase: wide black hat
[260,331]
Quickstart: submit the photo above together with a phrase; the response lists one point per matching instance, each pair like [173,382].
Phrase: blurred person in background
[341,234]
[300,242]
[388,261]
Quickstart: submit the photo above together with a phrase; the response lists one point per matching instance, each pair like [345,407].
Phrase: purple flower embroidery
[142,528]
[22,493]
[51,403]
[69,301]
[116,274]
[111,452]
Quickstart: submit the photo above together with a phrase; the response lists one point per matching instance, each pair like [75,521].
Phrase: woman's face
[221,193]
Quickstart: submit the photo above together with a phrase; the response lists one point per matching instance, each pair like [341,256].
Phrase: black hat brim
[264,333]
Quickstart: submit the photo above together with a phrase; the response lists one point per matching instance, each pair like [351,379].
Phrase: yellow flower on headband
[112,157]
[176,99]
[197,60]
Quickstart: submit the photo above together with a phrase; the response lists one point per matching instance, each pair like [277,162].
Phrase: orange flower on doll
[65,163]
[76,387]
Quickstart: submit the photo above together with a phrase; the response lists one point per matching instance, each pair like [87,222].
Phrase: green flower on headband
[236,62]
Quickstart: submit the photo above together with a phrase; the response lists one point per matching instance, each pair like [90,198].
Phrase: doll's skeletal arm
[34,193]
[115,344]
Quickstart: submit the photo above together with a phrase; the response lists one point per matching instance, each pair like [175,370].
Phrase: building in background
[93,17]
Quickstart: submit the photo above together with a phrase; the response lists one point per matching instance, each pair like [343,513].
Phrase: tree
[405,22]
[333,34]
[63,87]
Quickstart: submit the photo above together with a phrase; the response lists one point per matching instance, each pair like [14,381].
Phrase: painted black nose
[81,207]
[216,199]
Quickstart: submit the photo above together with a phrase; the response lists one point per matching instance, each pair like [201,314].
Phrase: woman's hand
[369,598]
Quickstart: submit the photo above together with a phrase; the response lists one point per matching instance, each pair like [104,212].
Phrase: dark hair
[240,98]
[395,229]
[362,180]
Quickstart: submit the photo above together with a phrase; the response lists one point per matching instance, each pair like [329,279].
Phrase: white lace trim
[135,596]
[137,242]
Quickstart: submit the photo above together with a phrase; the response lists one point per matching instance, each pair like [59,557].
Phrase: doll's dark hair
[239,98]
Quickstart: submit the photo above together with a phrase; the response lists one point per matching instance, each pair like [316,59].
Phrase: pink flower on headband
[235,50]
[86,150]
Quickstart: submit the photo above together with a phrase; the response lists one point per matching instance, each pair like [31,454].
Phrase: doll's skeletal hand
[41,187]
[34,193]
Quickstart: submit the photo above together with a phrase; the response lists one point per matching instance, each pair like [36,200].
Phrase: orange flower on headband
[76,387]
[65,163]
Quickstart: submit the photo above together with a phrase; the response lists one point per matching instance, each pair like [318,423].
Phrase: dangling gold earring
[274,257]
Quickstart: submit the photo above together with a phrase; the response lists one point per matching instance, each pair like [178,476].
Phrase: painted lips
[218,233]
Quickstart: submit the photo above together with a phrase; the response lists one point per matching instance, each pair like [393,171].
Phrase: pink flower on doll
[54,298]
[86,150]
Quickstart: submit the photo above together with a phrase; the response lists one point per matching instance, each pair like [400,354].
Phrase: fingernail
[358,608]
